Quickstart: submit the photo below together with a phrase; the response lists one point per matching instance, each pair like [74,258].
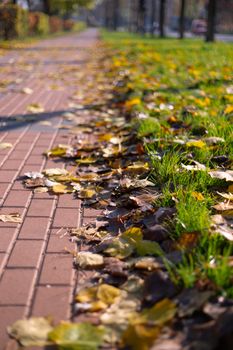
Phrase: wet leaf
[79,336]
[31,332]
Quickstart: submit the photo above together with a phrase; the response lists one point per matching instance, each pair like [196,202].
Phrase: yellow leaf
[133,234]
[133,102]
[230,189]
[86,295]
[198,196]
[59,189]
[140,337]
[196,143]
[87,193]
[228,109]
[105,137]
[107,293]
[160,313]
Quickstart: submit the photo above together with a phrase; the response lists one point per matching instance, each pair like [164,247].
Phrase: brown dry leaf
[89,260]
[14,217]
[33,183]
[188,240]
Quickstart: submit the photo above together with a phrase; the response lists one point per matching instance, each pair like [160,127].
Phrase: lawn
[179,96]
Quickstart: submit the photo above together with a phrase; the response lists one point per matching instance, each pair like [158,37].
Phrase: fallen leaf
[228,196]
[45,123]
[60,189]
[159,314]
[34,175]
[31,332]
[4,145]
[86,193]
[222,175]
[98,297]
[75,336]
[55,171]
[11,218]
[196,144]
[140,336]
[35,108]
[27,91]
[88,259]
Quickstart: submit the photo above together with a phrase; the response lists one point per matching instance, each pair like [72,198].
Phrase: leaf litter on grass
[155,255]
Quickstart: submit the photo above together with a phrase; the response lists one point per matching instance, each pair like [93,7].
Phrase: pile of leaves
[155,269]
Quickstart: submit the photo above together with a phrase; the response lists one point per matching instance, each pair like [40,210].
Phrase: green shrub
[13,21]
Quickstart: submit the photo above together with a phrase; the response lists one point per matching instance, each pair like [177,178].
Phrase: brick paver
[36,274]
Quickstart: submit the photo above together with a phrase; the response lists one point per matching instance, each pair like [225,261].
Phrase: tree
[152,18]
[211,17]
[182,19]
[64,6]
[162,18]
[141,16]
[115,9]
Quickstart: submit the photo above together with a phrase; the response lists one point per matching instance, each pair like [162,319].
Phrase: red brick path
[36,275]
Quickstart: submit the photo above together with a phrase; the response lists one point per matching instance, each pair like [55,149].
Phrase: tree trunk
[211,17]
[46,6]
[141,16]
[133,15]
[152,19]
[162,18]
[116,4]
[182,19]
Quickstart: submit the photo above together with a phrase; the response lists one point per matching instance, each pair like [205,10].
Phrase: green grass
[184,90]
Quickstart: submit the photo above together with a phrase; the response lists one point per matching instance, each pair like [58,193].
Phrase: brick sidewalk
[36,275]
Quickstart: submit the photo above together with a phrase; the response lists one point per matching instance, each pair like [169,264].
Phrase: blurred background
[155,17]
